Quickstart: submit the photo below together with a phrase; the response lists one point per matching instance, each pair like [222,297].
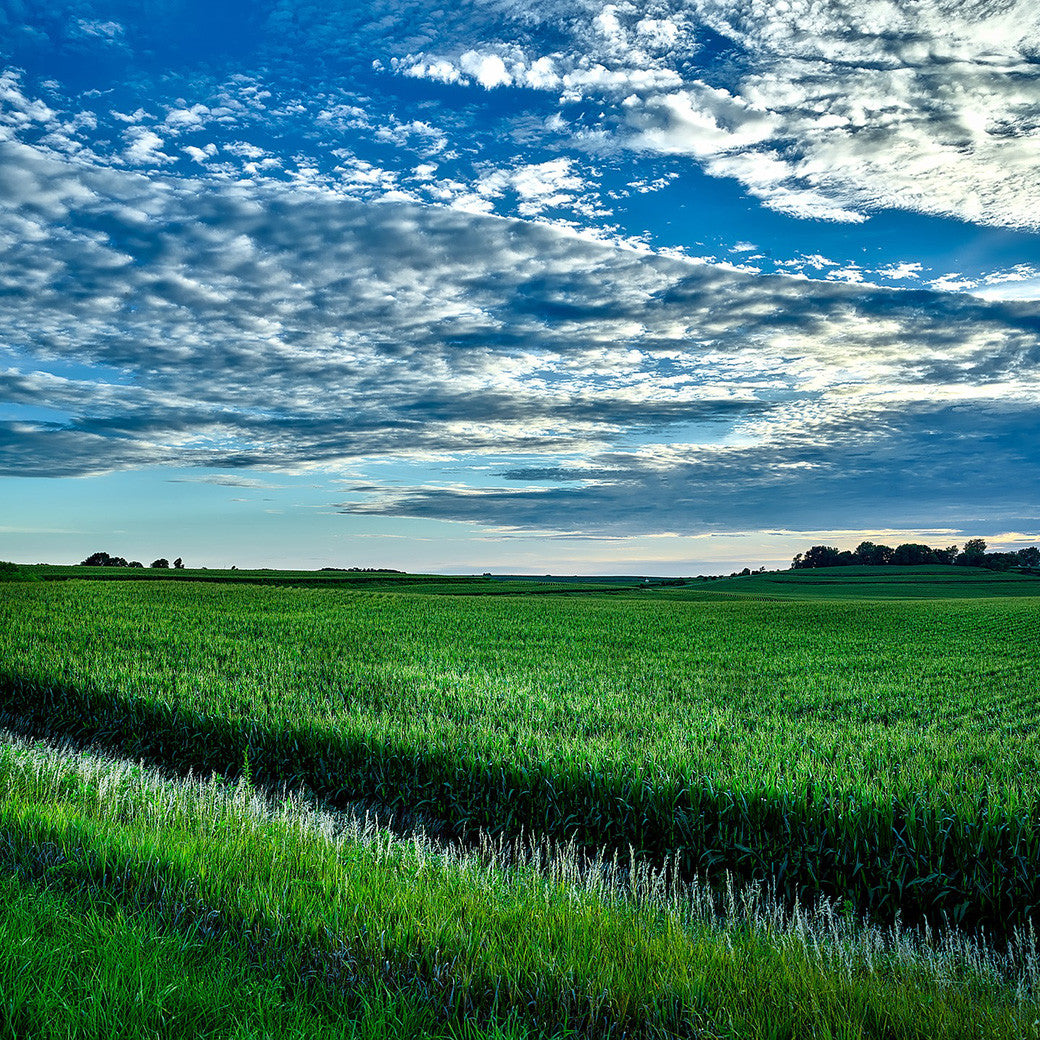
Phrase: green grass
[316,579]
[921,582]
[845,583]
[72,966]
[880,752]
[134,906]
[391,581]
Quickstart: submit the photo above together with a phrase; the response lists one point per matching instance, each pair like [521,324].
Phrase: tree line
[911,553]
[102,559]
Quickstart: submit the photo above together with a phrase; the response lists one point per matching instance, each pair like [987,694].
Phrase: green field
[866,737]
[392,581]
[924,582]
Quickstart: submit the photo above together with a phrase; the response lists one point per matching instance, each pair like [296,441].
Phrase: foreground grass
[73,965]
[138,906]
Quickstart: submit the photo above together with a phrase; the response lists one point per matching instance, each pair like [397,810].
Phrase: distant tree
[974,554]
[135,563]
[912,554]
[871,555]
[746,571]
[817,556]
[1000,561]
[102,559]
[161,563]
[864,552]
[1029,557]
[178,564]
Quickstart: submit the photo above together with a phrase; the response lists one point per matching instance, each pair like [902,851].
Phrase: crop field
[879,754]
[923,582]
[140,906]
[391,581]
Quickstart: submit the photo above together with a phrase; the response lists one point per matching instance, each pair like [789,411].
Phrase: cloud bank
[822,109]
[392,237]
[179,322]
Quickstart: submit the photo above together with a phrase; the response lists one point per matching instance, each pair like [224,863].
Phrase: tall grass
[76,966]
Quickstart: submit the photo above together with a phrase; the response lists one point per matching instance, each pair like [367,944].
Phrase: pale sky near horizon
[538,285]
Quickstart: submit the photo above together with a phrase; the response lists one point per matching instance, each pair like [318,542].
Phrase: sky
[666,287]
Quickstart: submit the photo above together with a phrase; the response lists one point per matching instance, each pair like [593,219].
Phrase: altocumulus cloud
[820,108]
[164,321]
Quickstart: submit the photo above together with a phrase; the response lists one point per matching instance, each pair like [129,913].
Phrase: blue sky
[540,285]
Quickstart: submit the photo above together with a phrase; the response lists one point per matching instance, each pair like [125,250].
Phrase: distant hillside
[931,581]
[338,578]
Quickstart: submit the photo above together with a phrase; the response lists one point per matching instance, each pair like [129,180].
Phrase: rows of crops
[928,581]
[135,906]
[880,753]
[344,580]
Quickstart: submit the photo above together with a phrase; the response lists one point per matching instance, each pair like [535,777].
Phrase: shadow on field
[894,860]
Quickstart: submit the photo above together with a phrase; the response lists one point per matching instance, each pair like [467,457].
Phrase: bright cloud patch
[826,110]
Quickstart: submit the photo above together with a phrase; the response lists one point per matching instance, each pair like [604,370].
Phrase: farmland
[827,741]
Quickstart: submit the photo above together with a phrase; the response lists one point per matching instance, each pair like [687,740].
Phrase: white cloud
[201,155]
[954,283]
[274,306]
[930,106]
[416,134]
[440,71]
[821,109]
[541,74]
[17,110]
[144,147]
[275,329]
[138,116]
[187,118]
[661,33]
[487,69]
[851,273]
[108,31]
[702,121]
[540,186]
[905,271]
[244,148]
[1021,282]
